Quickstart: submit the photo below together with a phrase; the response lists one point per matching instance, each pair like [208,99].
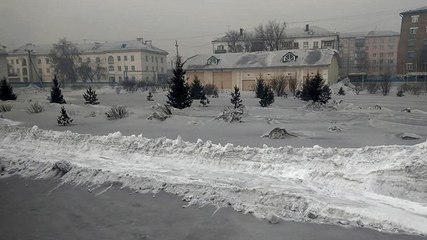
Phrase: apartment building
[3,62]
[111,61]
[372,53]
[412,54]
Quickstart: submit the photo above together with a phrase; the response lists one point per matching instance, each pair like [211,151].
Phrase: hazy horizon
[194,23]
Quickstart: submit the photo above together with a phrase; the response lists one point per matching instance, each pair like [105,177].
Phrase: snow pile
[381,187]
[348,87]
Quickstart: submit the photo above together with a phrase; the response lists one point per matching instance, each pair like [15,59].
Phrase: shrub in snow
[259,86]
[90,96]
[235,98]
[267,98]
[5,108]
[203,99]
[278,133]
[341,91]
[415,89]
[62,166]
[128,85]
[35,108]
[150,96]
[410,136]
[372,88]
[162,112]
[179,95]
[358,88]
[231,114]
[64,119]
[196,88]
[211,90]
[278,85]
[117,112]
[400,93]
[315,90]
[6,91]
[55,93]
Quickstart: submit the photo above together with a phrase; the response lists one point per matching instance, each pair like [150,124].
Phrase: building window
[132,58]
[413,30]
[126,68]
[296,45]
[411,43]
[411,55]
[125,58]
[146,58]
[315,44]
[152,58]
[152,68]
[409,66]
[305,45]
[119,58]
[381,54]
[17,61]
[374,55]
[120,78]
[289,57]
[415,18]
[161,69]
[24,71]
[111,68]
[110,60]
[161,59]
[212,60]
[390,54]
[146,68]
[17,70]
[40,71]
[39,61]
[119,68]
[98,60]
[24,62]
[88,60]
[48,70]
[390,61]
[11,62]
[46,60]
[132,68]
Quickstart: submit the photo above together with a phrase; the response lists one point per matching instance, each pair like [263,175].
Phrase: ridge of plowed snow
[382,187]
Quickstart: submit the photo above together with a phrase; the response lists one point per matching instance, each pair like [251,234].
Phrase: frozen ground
[379,187]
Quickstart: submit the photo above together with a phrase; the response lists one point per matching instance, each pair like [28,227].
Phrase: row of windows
[25,71]
[132,58]
[390,54]
[381,61]
[147,78]
[390,47]
[132,68]
[24,61]
[414,30]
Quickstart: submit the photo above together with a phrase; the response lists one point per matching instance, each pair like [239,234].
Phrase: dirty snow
[379,187]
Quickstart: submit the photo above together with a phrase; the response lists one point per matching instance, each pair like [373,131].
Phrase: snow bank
[347,86]
[383,187]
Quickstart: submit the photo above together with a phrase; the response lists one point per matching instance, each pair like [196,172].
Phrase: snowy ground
[379,187]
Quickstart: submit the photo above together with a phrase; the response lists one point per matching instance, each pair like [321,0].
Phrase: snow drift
[383,188]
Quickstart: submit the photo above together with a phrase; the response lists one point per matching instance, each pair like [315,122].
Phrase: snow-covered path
[382,187]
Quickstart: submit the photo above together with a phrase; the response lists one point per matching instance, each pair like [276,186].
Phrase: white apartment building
[135,59]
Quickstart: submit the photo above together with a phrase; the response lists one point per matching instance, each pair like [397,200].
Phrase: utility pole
[176,45]
[31,67]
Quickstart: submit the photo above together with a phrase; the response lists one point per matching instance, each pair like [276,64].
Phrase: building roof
[369,34]
[414,11]
[93,47]
[297,32]
[3,50]
[317,57]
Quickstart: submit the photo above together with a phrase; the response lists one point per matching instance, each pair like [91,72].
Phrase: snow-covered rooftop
[93,47]
[317,57]
[369,34]
[417,10]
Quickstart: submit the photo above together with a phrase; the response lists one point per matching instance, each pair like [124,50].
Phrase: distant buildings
[310,37]
[3,62]
[371,53]
[412,55]
[114,61]
[241,69]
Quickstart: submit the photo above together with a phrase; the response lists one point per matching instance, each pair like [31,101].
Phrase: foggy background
[194,23]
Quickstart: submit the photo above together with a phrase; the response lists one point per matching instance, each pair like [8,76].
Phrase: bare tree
[88,71]
[233,37]
[278,84]
[385,84]
[293,85]
[271,34]
[64,55]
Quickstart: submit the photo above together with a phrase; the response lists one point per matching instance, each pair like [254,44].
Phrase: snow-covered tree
[179,95]
[235,98]
[315,90]
[267,97]
[6,91]
[90,96]
[64,119]
[196,88]
[341,91]
[55,93]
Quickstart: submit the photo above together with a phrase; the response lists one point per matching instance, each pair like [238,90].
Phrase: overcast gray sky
[194,23]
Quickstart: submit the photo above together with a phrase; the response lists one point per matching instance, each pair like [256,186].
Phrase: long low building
[242,69]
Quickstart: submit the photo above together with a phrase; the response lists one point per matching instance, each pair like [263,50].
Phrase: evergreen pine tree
[150,96]
[55,93]
[341,91]
[259,87]
[179,92]
[90,96]
[196,88]
[64,119]
[6,91]
[315,90]
[235,98]
[267,97]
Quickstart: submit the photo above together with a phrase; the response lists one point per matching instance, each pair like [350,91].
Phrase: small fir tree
[267,97]
[150,96]
[90,96]
[203,99]
[235,98]
[179,92]
[64,119]
[6,91]
[259,87]
[55,93]
[196,88]
[341,91]
[315,90]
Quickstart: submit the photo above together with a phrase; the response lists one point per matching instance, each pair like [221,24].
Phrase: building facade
[3,62]
[310,37]
[109,61]
[412,56]
[242,69]
[372,53]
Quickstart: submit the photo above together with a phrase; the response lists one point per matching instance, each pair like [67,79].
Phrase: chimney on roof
[307,27]
[140,39]
[149,42]
[241,32]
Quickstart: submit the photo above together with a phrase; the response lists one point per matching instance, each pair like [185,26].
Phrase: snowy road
[383,187]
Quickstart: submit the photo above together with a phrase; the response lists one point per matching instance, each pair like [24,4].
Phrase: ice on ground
[381,187]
